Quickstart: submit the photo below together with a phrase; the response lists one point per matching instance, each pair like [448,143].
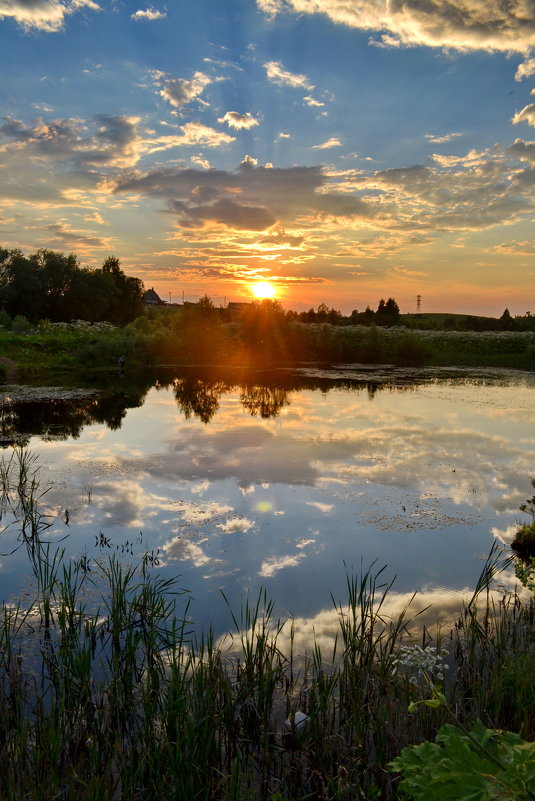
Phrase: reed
[108,693]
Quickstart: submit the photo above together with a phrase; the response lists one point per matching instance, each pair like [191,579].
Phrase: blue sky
[343,150]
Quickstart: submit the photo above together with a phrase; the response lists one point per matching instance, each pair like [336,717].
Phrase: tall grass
[107,693]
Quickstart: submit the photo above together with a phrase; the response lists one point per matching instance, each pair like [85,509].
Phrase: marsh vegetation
[108,692]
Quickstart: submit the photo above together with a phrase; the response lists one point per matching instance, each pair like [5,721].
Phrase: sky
[342,151]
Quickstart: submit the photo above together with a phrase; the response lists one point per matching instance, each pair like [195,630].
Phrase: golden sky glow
[341,150]
[263,289]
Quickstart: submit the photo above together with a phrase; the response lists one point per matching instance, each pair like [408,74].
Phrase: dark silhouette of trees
[506,321]
[54,286]
[387,314]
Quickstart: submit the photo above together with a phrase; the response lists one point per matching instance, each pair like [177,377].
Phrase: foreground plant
[478,765]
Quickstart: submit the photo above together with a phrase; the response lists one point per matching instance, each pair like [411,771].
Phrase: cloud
[470,159]
[272,565]
[179,91]
[202,162]
[239,121]
[269,7]
[525,70]
[457,25]
[224,212]
[44,15]
[249,161]
[525,151]
[149,14]
[109,141]
[195,133]
[527,114]
[311,101]
[441,139]
[405,271]
[332,142]
[278,75]
[513,248]
[251,196]
[234,524]
[65,236]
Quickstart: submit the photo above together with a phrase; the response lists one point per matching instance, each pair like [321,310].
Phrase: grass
[267,339]
[107,693]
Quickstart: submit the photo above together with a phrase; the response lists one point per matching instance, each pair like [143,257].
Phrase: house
[151,298]
[235,307]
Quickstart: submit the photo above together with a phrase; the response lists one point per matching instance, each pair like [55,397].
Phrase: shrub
[524,542]
[5,320]
[21,324]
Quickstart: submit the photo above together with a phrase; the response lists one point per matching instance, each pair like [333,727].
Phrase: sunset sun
[263,290]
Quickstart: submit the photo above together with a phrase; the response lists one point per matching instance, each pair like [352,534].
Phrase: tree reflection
[264,401]
[199,397]
[63,413]
[60,414]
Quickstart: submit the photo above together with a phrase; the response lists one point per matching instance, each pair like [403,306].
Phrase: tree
[21,291]
[58,275]
[506,321]
[387,313]
[125,292]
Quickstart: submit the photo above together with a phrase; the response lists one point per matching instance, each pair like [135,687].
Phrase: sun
[263,289]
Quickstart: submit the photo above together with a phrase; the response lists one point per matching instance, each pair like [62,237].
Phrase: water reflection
[58,413]
[241,479]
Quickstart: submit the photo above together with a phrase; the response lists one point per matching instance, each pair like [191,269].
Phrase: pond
[285,481]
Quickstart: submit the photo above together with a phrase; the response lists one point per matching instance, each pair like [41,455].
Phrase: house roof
[150,296]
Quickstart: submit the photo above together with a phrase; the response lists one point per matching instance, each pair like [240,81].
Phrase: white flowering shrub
[421,663]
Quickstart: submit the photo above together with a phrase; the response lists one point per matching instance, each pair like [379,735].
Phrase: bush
[524,542]
[5,320]
[21,324]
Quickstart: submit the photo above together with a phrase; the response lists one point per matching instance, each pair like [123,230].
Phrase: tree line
[48,285]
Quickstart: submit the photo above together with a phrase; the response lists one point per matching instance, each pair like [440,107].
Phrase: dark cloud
[252,198]
[225,212]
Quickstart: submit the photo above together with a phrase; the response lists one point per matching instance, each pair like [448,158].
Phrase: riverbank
[85,350]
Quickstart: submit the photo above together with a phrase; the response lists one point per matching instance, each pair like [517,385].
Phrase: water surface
[285,481]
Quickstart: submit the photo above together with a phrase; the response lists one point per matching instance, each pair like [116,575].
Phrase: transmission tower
[418,304]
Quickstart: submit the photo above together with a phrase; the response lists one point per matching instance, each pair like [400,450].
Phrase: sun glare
[263,289]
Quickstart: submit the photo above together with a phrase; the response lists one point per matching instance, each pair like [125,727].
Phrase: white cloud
[179,91]
[202,162]
[149,14]
[332,142]
[311,101]
[438,140]
[269,7]
[236,524]
[278,75]
[527,114]
[458,24]
[249,161]
[195,133]
[525,70]
[271,566]
[471,159]
[45,15]
[238,121]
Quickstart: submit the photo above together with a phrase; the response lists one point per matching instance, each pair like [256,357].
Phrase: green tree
[58,275]
[124,293]
[21,291]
